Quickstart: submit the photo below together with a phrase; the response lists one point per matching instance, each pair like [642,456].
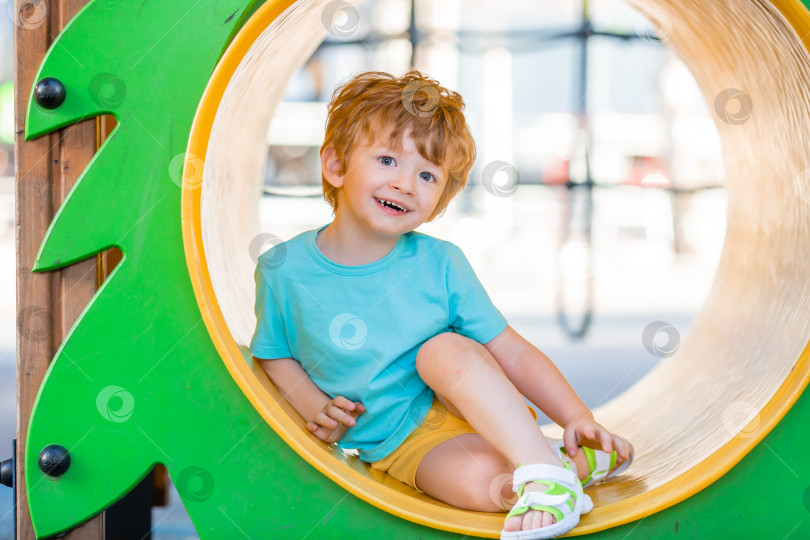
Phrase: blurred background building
[595,209]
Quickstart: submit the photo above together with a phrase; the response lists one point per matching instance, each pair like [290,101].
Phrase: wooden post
[46,168]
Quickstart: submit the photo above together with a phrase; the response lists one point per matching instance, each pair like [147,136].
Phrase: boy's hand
[587,432]
[335,419]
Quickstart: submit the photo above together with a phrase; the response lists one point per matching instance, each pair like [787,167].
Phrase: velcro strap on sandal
[540,471]
[536,498]
[600,463]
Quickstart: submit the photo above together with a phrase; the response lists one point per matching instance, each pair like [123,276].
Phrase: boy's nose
[403,182]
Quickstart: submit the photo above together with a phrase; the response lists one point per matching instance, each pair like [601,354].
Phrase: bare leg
[468,379]
[463,372]
[486,474]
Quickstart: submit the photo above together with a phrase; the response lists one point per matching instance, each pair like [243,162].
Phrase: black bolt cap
[7,473]
[54,460]
[50,93]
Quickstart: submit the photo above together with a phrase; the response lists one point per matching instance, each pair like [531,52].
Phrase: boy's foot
[531,519]
[550,502]
[534,519]
[584,466]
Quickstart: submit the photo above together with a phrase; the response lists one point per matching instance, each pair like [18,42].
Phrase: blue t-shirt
[356,329]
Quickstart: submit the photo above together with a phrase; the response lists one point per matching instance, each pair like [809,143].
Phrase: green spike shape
[138,381]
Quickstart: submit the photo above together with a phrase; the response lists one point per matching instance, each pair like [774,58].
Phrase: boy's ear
[330,166]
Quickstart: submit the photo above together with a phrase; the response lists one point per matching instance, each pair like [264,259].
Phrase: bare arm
[536,377]
[295,385]
[327,418]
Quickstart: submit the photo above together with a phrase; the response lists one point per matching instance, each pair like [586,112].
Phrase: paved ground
[638,280]
[8,393]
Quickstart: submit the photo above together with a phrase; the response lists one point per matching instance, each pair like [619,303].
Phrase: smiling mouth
[390,205]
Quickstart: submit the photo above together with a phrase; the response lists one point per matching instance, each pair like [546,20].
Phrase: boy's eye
[427,176]
[386,160]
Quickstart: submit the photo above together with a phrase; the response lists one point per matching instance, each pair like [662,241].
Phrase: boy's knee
[501,493]
[490,488]
[442,349]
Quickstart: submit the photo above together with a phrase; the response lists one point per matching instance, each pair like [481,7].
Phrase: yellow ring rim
[396,502]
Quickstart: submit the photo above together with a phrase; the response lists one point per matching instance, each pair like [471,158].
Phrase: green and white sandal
[564,499]
[599,462]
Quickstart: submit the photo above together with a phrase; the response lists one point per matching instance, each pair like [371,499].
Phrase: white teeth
[395,205]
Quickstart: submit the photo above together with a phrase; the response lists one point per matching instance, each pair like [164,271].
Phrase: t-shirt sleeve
[471,312]
[270,337]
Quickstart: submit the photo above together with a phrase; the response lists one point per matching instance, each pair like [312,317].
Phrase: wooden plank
[108,260]
[48,304]
[32,214]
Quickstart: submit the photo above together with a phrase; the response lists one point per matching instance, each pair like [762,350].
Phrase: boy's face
[377,172]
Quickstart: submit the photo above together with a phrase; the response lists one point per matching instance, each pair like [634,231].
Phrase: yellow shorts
[439,426]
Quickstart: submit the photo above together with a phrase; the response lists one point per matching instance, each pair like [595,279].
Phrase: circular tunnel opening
[735,374]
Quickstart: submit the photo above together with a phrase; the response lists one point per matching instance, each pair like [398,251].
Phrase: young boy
[384,340]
